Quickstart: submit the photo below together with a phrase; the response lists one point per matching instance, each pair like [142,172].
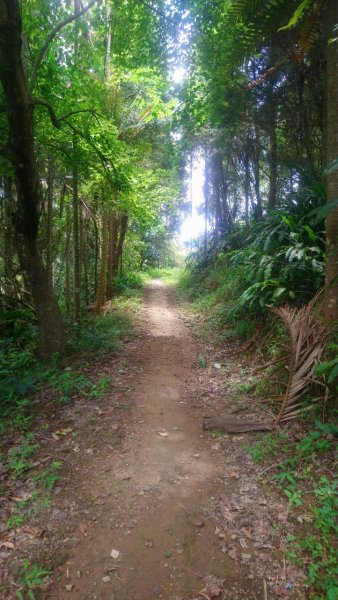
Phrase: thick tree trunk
[21,152]
[331,153]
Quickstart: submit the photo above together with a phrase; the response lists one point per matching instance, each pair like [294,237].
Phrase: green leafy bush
[276,259]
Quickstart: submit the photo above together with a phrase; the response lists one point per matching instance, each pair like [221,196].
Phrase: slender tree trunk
[225,208]
[108,42]
[272,196]
[101,292]
[256,169]
[76,241]
[206,202]
[67,281]
[21,152]
[68,261]
[49,220]
[96,262]
[76,208]
[217,196]
[84,257]
[113,234]
[246,187]
[120,241]
[8,203]
[331,152]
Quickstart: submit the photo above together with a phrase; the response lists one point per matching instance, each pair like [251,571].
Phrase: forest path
[148,499]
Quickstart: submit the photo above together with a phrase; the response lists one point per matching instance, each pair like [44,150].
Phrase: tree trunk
[223,186]
[246,187]
[206,202]
[9,282]
[76,239]
[272,196]
[21,152]
[113,234]
[67,276]
[101,292]
[49,220]
[331,153]
[256,169]
[84,256]
[120,241]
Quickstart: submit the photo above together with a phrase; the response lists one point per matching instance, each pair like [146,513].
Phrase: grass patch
[18,464]
[32,577]
[170,277]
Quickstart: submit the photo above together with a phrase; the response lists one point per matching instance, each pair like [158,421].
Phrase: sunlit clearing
[193,225]
[178,74]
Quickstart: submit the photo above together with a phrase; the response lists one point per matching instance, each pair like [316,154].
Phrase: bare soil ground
[150,506]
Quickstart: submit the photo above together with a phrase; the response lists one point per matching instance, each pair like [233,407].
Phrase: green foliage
[40,498]
[48,477]
[329,368]
[22,375]
[281,259]
[267,447]
[32,576]
[299,475]
[17,459]
[104,333]
[201,361]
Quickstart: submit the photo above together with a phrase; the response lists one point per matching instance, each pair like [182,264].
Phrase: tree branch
[52,35]
[106,162]
[158,12]
[41,102]
[76,112]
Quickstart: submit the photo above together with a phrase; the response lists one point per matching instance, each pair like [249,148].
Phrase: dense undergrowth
[23,377]
[276,260]
[297,461]
[279,260]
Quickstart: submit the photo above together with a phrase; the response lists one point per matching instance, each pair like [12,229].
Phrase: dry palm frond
[308,337]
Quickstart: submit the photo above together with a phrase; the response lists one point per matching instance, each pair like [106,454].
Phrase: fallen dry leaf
[7,545]
[21,498]
[64,431]
[115,553]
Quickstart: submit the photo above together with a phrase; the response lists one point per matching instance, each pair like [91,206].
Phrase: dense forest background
[106,108]
[99,140]
[99,144]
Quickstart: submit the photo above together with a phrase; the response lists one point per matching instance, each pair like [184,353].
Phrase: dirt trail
[149,498]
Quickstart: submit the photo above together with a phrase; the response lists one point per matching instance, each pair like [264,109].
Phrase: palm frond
[307,338]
